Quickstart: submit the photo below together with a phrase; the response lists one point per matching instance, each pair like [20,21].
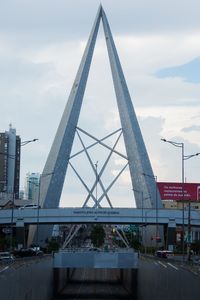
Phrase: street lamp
[38,203]
[186,157]
[23,143]
[96,166]
[38,184]
[142,198]
[146,214]
[183,158]
[156,193]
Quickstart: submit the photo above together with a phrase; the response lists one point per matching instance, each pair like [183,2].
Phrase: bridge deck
[89,215]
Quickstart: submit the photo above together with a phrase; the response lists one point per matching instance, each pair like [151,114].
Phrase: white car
[30,206]
[6,256]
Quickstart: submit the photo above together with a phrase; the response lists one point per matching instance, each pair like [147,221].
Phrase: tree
[52,245]
[97,235]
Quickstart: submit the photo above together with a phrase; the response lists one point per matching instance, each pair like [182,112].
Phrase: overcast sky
[158,42]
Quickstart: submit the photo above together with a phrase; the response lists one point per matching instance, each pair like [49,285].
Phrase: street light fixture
[146,213]
[183,158]
[156,192]
[38,184]
[23,143]
[142,198]
[96,166]
[38,203]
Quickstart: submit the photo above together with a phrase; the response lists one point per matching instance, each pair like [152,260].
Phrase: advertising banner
[174,191]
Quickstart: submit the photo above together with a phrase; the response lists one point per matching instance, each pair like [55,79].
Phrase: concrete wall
[128,279]
[31,280]
[125,277]
[96,259]
[61,277]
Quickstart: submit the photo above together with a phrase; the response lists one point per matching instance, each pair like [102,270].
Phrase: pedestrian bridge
[102,215]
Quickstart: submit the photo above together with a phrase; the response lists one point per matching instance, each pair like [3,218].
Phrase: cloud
[189,71]
[41,45]
[191,128]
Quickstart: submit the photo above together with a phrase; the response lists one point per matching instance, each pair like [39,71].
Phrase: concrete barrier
[121,259]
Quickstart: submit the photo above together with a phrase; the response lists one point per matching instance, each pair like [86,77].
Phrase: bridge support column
[20,234]
[171,235]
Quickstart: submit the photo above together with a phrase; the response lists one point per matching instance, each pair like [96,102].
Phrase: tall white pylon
[141,173]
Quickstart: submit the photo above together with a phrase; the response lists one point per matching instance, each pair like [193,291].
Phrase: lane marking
[162,264]
[4,269]
[195,273]
[173,266]
[155,263]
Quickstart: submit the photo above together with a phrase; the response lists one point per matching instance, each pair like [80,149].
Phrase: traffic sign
[7,230]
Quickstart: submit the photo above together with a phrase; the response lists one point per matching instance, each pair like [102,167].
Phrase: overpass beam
[20,234]
[171,235]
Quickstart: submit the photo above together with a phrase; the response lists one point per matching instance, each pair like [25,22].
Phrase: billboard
[174,191]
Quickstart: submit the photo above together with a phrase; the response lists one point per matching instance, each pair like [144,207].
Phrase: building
[32,183]
[10,149]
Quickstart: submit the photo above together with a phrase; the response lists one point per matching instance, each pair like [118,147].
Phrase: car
[27,252]
[164,253]
[94,249]
[196,260]
[6,256]
[33,206]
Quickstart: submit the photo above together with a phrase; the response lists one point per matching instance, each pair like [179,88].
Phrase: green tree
[52,245]
[97,235]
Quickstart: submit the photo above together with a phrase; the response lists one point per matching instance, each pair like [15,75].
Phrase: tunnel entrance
[102,284]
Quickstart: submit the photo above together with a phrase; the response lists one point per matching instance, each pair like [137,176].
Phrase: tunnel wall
[30,279]
[61,277]
[128,279]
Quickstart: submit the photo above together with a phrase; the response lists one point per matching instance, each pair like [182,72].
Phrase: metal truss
[97,201]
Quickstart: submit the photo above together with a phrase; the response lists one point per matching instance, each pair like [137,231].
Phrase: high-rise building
[10,149]
[31,190]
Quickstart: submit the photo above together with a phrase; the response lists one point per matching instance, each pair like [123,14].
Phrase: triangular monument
[142,177]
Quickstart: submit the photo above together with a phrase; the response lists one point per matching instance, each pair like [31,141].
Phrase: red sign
[174,191]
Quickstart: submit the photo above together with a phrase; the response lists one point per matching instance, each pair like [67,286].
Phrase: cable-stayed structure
[58,161]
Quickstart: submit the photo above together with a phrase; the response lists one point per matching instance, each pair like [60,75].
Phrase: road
[158,279]
[94,284]
[167,280]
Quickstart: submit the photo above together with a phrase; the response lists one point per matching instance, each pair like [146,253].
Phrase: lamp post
[142,198]
[23,143]
[37,184]
[96,166]
[186,157]
[183,158]
[156,194]
[146,213]
[38,202]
